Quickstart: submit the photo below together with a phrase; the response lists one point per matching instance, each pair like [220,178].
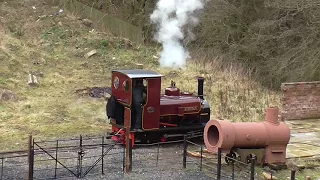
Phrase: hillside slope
[37,38]
[278,39]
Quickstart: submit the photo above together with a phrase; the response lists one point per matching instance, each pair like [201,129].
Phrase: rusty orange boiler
[267,140]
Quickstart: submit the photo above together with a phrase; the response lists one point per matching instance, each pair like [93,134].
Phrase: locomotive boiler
[266,140]
[164,115]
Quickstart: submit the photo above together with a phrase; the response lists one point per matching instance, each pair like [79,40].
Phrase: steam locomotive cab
[171,112]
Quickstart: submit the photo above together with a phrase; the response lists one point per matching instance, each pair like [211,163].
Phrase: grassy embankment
[54,47]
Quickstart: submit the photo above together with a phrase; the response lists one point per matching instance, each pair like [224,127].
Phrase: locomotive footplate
[245,155]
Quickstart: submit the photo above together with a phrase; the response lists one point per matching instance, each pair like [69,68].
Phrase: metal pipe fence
[84,156]
[13,165]
[194,156]
[63,158]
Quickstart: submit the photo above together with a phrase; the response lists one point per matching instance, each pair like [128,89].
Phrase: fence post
[201,158]
[158,154]
[30,158]
[293,174]
[253,163]
[232,170]
[130,154]
[80,153]
[123,158]
[128,150]
[56,165]
[102,152]
[185,146]
[1,168]
[219,164]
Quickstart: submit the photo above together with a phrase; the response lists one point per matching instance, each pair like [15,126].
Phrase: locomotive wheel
[248,159]
[230,155]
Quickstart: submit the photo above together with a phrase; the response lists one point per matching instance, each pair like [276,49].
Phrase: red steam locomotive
[163,115]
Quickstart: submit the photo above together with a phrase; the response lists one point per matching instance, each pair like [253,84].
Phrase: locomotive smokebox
[270,135]
[200,87]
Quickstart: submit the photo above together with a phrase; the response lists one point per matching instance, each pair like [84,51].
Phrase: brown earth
[6,95]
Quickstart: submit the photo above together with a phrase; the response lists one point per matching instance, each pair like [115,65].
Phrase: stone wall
[300,100]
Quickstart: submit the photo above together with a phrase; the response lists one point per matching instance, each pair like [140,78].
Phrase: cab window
[126,85]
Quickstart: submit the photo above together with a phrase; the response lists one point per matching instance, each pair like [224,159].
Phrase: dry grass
[53,48]
[231,94]
[277,38]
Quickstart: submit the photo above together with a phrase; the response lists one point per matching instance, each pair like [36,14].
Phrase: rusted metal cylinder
[269,134]
[226,135]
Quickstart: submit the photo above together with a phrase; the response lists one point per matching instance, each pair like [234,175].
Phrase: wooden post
[219,164]
[185,146]
[30,158]
[128,150]
[130,154]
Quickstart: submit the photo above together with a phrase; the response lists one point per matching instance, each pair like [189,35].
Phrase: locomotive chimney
[200,87]
[272,115]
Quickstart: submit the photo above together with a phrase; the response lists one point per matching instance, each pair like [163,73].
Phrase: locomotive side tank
[183,108]
[270,135]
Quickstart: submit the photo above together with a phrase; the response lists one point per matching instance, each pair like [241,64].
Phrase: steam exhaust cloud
[175,20]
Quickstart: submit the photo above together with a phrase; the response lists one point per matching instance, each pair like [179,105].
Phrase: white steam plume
[173,17]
